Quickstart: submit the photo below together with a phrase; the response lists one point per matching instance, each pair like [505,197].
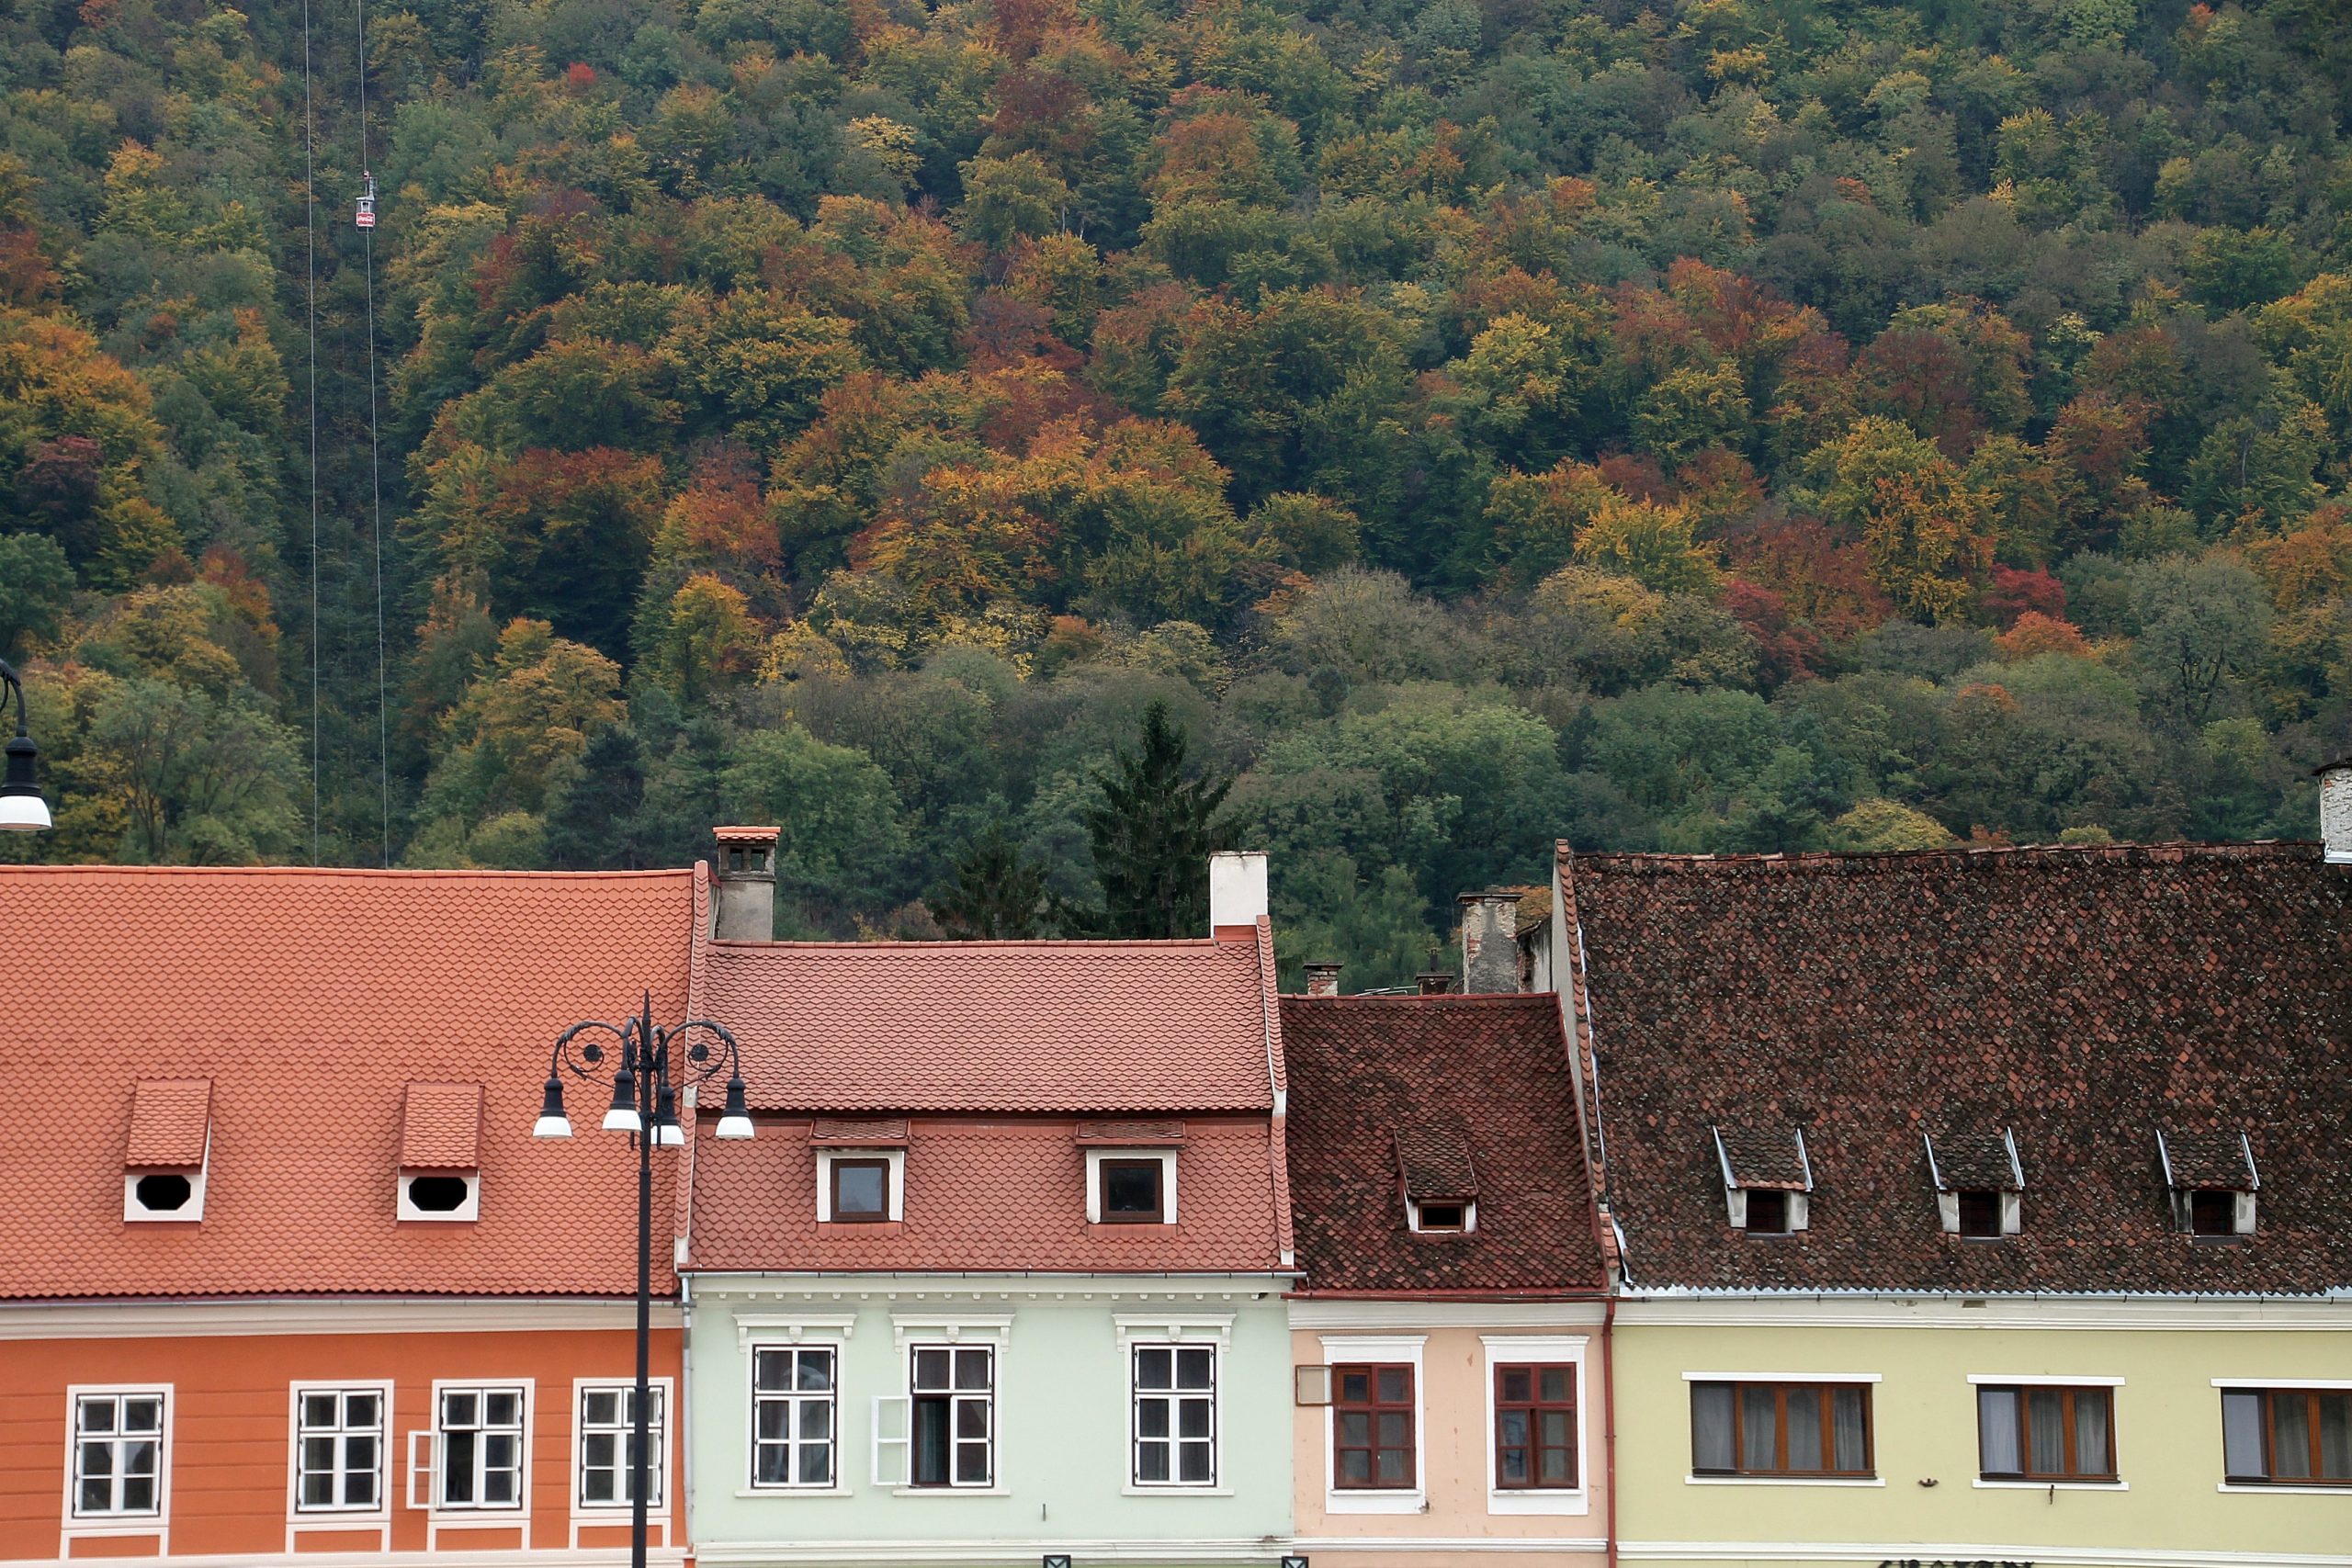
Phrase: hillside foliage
[1701,424]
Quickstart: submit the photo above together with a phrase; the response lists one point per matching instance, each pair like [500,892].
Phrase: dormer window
[1130,1171]
[861,1170]
[2211,1180]
[1979,1181]
[169,1154]
[439,1179]
[1768,1178]
[1441,1183]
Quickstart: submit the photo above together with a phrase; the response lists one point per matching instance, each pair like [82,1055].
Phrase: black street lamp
[645,1107]
[22,810]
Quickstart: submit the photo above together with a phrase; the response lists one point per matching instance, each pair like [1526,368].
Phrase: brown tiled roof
[2085,999]
[310,999]
[1433,1159]
[1974,1162]
[170,1119]
[1770,1156]
[1133,1135]
[2214,1161]
[984,1194]
[1496,1069]
[1116,1027]
[870,1134]
[441,1127]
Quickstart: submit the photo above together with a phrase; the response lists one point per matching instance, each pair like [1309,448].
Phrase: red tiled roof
[310,999]
[441,1126]
[1433,1159]
[170,1119]
[2083,999]
[1493,1068]
[983,1194]
[1121,1027]
[2215,1160]
[1130,1135]
[867,1134]
[1764,1158]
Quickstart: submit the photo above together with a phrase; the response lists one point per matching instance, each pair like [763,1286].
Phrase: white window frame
[188,1213]
[468,1209]
[338,1516]
[155,1522]
[1189,1332]
[1377,1348]
[1095,1158]
[445,1514]
[665,1402]
[1469,1207]
[753,1487]
[898,1160]
[909,1331]
[1510,1349]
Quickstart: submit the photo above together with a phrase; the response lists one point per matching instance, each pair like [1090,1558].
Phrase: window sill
[2288,1488]
[1132,1490]
[946,1492]
[1370,1502]
[337,1520]
[790,1491]
[1984,1485]
[1784,1481]
[1535,1501]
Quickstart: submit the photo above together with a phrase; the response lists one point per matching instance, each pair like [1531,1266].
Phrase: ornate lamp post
[645,1107]
[22,810]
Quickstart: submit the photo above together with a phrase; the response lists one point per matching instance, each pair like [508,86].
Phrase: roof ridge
[1113,944]
[1972,856]
[1480,998]
[376,871]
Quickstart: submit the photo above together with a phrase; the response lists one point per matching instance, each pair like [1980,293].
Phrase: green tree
[995,893]
[1152,832]
[36,585]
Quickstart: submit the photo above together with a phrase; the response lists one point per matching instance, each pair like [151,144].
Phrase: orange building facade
[284,1274]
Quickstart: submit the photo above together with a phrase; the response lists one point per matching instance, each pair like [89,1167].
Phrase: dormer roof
[171,1122]
[1763,1157]
[2216,1161]
[1975,1160]
[441,1127]
[1433,1159]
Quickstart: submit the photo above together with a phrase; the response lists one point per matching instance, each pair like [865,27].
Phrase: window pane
[931,1369]
[1192,1420]
[817,1419]
[97,1415]
[1551,1430]
[774,1419]
[1395,1385]
[458,1409]
[2242,1434]
[1396,1431]
[769,1468]
[359,1410]
[318,1453]
[142,1414]
[2290,1436]
[817,1465]
[1198,1467]
[318,1491]
[1997,1448]
[1151,1418]
[2090,1433]
[971,1417]
[139,1459]
[359,1490]
[1558,1384]
[458,1468]
[1355,1386]
[600,1449]
[98,1497]
[1849,1412]
[1510,1467]
[1356,1467]
[2045,1431]
[1711,1441]
[971,1368]
[1355,1427]
[1391,1469]
[498,1487]
[1510,1427]
[972,1464]
[770,1369]
[817,1372]
[1518,1384]
[2335,1437]
[861,1188]
[1151,1462]
[1758,1443]
[139,1495]
[1155,1369]
[1131,1187]
[318,1410]
[1195,1368]
[601,1406]
[1804,1430]
[500,1409]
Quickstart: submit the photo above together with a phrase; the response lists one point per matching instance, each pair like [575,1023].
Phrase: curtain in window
[2290,1436]
[2045,1420]
[2091,1457]
[1996,1432]
[2335,1437]
[930,1442]
[1711,1445]
[2241,1433]
[1759,1447]
[1851,1435]
[1804,1428]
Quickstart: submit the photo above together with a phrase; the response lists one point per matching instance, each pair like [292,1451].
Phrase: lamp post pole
[22,810]
[644,1106]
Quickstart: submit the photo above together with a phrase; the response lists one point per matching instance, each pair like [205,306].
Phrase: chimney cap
[2336,766]
[746,835]
[1491,895]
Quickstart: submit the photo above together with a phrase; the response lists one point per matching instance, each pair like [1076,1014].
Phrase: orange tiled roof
[984,1194]
[1122,1027]
[312,1000]
[441,1127]
[169,1121]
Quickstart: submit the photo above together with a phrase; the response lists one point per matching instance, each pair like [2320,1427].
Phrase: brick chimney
[1490,940]
[2335,809]
[1237,894]
[1322,978]
[746,900]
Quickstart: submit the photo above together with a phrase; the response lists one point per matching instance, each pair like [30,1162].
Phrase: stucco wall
[1456,1513]
[1062,1454]
[2167,1443]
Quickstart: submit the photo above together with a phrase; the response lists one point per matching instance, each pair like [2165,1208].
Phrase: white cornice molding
[743,1289]
[302,1315]
[441,1557]
[985,1552]
[1325,1312]
[2073,1312]
[1449,1543]
[1924,1552]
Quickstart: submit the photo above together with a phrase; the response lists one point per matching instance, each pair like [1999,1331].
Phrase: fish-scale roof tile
[170,1119]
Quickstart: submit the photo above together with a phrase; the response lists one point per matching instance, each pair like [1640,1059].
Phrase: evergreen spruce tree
[592,812]
[996,894]
[1152,836]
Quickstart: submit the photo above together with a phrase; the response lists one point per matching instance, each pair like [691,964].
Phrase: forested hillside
[1722,424]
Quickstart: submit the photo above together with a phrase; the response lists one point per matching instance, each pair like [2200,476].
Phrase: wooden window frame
[1375,1407]
[1741,1467]
[2068,1394]
[834,1167]
[1103,1168]
[1532,1407]
[2270,1397]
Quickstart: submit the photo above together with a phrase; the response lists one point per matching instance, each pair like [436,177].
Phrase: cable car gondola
[365,216]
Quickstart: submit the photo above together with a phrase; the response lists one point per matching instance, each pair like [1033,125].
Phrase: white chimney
[2335,809]
[1237,890]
